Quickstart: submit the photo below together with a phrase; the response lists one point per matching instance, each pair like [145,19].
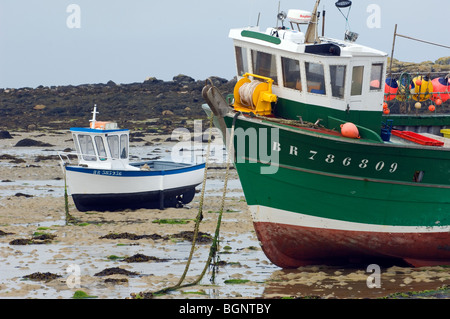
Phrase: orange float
[349,130]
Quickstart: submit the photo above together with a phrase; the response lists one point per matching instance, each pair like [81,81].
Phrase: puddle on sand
[359,282]
[54,188]
[241,263]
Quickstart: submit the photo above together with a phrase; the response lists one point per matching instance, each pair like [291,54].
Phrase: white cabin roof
[291,40]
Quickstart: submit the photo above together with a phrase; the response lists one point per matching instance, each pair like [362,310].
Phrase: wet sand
[32,204]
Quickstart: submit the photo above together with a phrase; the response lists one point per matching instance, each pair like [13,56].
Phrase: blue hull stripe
[90,130]
[124,173]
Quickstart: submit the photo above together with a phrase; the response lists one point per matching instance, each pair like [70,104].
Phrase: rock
[23,195]
[5,135]
[181,78]
[443,60]
[152,79]
[167,112]
[116,271]
[39,107]
[30,142]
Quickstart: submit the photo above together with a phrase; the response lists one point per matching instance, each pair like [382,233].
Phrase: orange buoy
[349,130]
[385,105]
[386,111]
[438,101]
[390,89]
[431,108]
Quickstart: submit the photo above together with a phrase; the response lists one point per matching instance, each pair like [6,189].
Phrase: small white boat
[103,179]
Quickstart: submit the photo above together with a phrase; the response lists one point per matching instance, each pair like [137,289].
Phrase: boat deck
[398,140]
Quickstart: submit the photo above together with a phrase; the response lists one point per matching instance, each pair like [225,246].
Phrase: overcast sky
[50,42]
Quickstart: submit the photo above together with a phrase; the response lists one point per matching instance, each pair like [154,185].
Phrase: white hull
[88,183]
[94,189]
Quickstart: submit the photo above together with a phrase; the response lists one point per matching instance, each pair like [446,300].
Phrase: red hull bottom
[290,246]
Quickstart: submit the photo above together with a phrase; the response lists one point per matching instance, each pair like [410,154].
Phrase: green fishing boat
[327,179]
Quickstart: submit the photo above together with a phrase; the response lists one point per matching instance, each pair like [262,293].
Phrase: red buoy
[441,89]
[349,130]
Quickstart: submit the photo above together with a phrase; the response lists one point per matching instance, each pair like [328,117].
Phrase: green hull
[339,178]
[345,198]
[337,199]
[319,197]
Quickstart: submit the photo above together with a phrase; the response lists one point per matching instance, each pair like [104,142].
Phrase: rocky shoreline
[166,103]
[56,106]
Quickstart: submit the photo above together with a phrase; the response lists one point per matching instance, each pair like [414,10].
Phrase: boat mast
[311,33]
[93,116]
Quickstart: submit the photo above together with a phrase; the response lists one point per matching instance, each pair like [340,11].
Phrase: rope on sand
[215,243]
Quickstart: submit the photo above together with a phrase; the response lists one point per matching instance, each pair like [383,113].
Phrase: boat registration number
[348,161]
[107,173]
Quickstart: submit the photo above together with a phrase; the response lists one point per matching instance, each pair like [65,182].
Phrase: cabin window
[87,147]
[264,64]
[291,73]
[241,60]
[77,147]
[113,143]
[315,78]
[100,147]
[357,80]
[124,146]
[337,73]
[376,75]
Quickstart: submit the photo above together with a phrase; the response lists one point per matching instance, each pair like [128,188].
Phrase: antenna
[279,3]
[323,21]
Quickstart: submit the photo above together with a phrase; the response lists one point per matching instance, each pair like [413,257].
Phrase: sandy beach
[43,256]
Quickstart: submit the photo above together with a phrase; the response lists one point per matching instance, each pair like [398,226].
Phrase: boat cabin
[329,77]
[103,147]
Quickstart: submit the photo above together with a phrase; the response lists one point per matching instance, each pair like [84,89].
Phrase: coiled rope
[215,243]
[246,93]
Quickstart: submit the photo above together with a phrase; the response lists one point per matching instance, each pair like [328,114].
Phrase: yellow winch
[254,95]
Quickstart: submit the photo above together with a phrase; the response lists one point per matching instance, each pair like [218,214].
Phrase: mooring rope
[200,209]
[214,246]
[246,93]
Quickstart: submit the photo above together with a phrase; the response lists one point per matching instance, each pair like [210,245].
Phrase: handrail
[269,80]
[82,156]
